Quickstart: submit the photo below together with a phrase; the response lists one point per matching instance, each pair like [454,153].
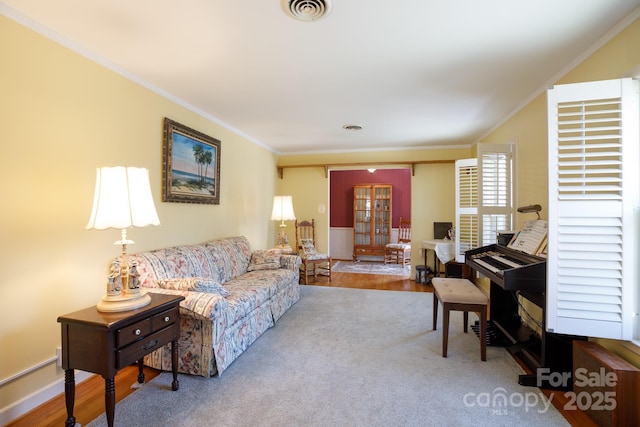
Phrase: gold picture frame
[191,165]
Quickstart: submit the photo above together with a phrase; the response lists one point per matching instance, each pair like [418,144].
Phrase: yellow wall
[62,116]
[529,128]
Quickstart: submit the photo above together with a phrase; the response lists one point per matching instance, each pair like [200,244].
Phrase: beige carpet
[349,357]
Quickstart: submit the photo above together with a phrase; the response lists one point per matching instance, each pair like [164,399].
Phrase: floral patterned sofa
[232,295]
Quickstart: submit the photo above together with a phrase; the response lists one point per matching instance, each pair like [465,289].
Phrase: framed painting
[191,165]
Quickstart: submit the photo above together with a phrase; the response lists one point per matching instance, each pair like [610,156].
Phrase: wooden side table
[103,343]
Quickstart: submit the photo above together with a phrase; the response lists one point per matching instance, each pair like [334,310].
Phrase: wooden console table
[103,343]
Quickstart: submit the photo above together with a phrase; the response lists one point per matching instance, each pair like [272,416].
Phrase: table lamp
[122,199]
[283,211]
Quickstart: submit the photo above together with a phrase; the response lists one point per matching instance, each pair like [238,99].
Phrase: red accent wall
[341,193]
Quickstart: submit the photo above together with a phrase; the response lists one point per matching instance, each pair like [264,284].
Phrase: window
[484,196]
[495,190]
[592,273]
[466,207]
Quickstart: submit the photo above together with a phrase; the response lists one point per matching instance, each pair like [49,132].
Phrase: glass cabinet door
[372,219]
[382,220]
[362,216]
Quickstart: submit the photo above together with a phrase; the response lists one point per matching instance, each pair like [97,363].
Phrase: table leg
[175,385]
[140,371]
[70,396]
[109,400]
[426,253]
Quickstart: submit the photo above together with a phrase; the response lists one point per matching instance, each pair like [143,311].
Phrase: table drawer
[165,318]
[133,332]
[369,251]
[139,349]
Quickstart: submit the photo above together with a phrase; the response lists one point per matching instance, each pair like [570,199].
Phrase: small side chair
[400,252]
[313,262]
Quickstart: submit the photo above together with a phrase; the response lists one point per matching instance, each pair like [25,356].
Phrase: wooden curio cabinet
[371,219]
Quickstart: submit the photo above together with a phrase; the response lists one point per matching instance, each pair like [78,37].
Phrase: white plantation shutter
[484,196]
[466,207]
[592,283]
[495,190]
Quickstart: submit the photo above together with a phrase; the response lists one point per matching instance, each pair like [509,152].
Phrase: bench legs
[481,309]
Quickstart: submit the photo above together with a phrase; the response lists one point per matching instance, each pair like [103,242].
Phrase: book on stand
[532,239]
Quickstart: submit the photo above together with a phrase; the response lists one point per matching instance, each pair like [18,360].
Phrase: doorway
[341,184]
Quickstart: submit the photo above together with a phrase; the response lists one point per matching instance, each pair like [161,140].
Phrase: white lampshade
[283,209]
[122,199]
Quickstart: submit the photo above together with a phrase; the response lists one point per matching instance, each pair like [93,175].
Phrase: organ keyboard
[514,273]
[511,269]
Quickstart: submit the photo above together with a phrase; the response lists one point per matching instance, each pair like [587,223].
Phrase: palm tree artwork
[192,166]
[191,160]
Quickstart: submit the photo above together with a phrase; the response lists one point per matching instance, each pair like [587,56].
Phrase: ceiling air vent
[307,10]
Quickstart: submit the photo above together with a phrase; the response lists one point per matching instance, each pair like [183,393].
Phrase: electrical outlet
[59,354]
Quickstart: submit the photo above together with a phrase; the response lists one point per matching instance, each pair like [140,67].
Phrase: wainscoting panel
[341,242]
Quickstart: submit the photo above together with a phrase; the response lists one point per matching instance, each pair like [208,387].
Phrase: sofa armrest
[198,304]
[291,262]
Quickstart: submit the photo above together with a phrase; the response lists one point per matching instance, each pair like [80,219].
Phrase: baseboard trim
[37,398]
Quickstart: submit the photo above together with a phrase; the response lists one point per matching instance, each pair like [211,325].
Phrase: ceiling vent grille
[307,10]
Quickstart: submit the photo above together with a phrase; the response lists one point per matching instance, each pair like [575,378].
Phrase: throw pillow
[308,247]
[197,284]
[265,259]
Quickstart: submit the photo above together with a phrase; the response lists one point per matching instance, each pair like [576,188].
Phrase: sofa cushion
[243,299]
[254,289]
[231,256]
[265,259]
[274,280]
[198,284]
[175,262]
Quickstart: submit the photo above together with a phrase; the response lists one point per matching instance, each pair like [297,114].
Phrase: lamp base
[285,248]
[123,303]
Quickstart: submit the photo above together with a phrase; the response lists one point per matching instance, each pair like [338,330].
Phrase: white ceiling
[413,73]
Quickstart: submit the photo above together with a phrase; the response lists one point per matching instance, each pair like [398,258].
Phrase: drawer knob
[167,318]
[138,331]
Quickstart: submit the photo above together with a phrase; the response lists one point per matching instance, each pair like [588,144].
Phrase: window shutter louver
[484,197]
[466,207]
[593,209]
[495,175]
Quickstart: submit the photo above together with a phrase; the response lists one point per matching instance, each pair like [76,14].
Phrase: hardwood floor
[89,402]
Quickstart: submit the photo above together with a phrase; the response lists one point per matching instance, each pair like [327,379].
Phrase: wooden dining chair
[313,262]
[400,251]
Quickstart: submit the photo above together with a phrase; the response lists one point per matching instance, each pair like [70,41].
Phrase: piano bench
[460,295]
